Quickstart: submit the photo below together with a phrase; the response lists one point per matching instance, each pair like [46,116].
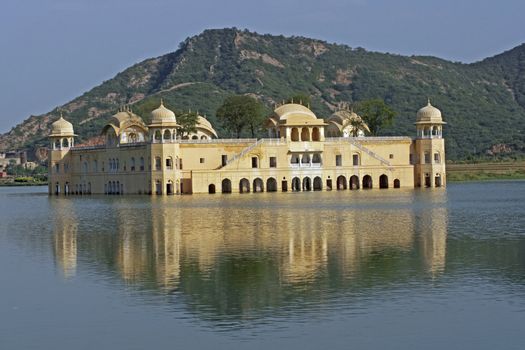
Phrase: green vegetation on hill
[483,103]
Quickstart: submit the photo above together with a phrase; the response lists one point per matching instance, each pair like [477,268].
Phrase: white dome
[62,127]
[162,115]
[429,114]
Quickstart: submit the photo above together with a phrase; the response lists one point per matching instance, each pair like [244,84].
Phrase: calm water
[367,269]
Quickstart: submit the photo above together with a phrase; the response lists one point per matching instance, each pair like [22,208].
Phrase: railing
[305,165]
[368,138]
[208,141]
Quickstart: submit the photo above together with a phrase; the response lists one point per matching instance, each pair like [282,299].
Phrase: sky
[52,51]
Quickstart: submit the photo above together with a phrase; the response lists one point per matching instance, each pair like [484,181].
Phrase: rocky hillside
[483,103]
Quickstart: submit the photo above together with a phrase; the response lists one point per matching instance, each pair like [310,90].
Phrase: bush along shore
[486,171]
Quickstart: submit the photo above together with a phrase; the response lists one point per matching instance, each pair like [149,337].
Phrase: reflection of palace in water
[206,249]
[65,237]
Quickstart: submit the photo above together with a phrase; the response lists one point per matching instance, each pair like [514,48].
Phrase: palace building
[302,153]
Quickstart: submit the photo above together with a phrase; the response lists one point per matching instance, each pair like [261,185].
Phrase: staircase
[371,153]
[242,153]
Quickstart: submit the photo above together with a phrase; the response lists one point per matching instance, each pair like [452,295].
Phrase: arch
[157,136]
[226,186]
[118,187]
[65,143]
[316,158]
[142,163]
[204,137]
[57,189]
[158,163]
[132,164]
[305,159]
[244,186]
[57,144]
[437,180]
[397,183]
[169,187]
[167,135]
[307,184]
[194,137]
[316,135]
[383,181]
[211,188]
[305,134]
[271,185]
[341,182]
[121,188]
[295,134]
[367,182]
[296,184]
[158,187]
[258,185]
[354,182]
[318,183]
[169,163]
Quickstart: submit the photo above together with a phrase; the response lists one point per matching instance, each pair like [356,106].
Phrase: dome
[125,117]
[62,127]
[162,115]
[429,114]
[293,110]
[204,124]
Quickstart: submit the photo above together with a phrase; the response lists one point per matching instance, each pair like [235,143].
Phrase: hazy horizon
[56,51]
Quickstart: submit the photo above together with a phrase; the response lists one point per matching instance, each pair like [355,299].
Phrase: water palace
[302,153]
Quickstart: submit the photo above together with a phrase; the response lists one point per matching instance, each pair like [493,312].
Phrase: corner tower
[429,161]
[62,138]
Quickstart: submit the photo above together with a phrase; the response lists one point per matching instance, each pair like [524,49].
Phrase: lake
[408,269]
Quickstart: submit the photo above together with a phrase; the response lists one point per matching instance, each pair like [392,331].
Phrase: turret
[429,148]
[62,138]
[163,126]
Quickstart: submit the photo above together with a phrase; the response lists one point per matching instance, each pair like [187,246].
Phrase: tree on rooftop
[376,114]
[239,112]
[187,123]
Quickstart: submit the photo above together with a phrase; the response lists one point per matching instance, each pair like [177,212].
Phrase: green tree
[239,112]
[376,114]
[187,123]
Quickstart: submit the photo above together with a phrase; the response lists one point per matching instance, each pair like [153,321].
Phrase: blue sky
[55,50]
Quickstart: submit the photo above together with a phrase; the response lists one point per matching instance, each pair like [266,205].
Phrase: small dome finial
[161,101]
[428,101]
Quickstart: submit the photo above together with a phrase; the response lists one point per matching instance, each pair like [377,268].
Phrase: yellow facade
[140,159]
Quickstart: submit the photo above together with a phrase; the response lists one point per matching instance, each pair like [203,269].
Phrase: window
[157,163]
[355,159]
[338,160]
[427,158]
[224,159]
[437,159]
[141,163]
[132,167]
[169,163]
[255,162]
[273,162]
[57,168]
[391,156]
[201,160]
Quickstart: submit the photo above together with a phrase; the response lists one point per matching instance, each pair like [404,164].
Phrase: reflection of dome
[162,115]
[429,114]
[62,128]
[293,110]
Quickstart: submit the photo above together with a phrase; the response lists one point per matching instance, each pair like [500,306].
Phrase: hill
[483,103]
